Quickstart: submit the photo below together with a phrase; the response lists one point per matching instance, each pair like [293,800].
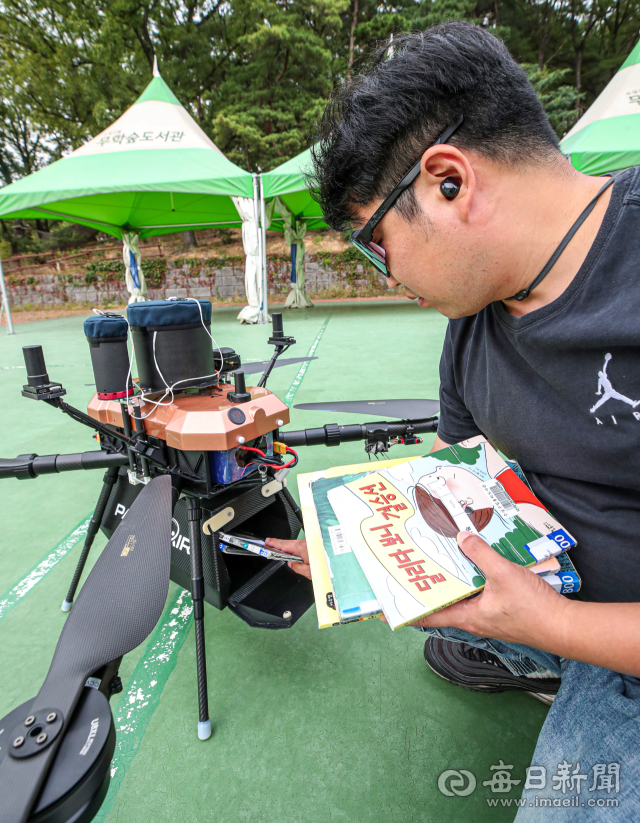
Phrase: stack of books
[384,541]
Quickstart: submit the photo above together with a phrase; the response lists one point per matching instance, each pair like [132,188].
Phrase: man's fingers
[297,547]
[482,555]
[300,568]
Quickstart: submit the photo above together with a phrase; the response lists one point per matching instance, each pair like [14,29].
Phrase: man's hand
[297,547]
[515,606]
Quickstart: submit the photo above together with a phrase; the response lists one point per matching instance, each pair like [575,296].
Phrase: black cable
[522,295]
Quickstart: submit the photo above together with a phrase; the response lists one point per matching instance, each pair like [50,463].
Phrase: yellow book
[321,579]
[382,537]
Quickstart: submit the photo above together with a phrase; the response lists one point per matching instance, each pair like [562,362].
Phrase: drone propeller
[117,608]
[402,409]
[254,368]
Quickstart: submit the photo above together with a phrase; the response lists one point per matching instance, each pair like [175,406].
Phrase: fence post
[5,302]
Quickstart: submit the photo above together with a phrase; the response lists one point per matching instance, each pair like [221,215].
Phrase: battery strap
[522,295]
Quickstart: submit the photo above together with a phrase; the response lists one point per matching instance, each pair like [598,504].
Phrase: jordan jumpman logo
[604,385]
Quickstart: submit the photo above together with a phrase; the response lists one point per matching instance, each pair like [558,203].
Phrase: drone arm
[334,435]
[27,466]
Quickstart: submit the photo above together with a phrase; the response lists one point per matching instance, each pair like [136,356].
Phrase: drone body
[187,456]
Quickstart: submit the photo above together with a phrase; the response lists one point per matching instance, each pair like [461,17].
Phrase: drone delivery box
[385,541]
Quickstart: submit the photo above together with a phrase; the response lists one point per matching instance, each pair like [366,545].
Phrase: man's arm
[438,444]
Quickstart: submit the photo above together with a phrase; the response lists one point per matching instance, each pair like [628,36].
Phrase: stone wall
[338,275]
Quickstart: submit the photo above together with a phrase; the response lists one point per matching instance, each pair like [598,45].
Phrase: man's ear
[440,162]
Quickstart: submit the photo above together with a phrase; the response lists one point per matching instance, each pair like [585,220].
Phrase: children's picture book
[399,526]
[565,579]
[353,596]
[326,605]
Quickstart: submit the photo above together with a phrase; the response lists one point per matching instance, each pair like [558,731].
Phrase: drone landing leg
[96,518]
[194,514]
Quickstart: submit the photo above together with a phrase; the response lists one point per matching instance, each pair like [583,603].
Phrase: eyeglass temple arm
[406,181]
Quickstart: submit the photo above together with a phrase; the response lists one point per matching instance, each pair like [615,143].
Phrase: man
[443,161]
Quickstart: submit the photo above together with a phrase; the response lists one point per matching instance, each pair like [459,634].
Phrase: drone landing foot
[194,514]
[94,525]
[204,729]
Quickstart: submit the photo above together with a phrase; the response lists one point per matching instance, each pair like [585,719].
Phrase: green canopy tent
[607,136]
[154,171]
[295,211]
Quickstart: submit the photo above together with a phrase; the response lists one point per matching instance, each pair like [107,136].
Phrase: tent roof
[288,182]
[607,136]
[153,171]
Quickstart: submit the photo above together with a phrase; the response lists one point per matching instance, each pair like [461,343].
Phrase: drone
[191,455]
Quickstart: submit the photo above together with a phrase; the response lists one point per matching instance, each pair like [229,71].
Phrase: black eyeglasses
[362,238]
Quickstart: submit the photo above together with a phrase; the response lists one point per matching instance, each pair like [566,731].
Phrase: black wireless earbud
[450,188]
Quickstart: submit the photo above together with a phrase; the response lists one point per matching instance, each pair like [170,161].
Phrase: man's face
[435,257]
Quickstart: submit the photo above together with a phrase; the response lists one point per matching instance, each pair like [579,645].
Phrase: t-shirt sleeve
[455,423]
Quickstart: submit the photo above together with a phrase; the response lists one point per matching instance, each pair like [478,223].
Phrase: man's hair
[376,127]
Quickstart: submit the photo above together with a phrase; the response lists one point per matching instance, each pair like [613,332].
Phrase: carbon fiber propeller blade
[402,409]
[118,606]
[254,368]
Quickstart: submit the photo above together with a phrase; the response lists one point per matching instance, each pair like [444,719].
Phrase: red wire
[291,462]
[251,449]
[262,454]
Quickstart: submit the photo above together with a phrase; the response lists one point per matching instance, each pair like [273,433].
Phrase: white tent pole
[256,211]
[5,301]
[263,220]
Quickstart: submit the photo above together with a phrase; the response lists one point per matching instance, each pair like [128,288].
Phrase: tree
[256,74]
[277,86]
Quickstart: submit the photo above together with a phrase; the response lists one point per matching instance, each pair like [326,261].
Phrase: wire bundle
[266,460]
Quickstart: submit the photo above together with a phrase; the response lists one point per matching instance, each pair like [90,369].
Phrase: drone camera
[278,332]
[278,337]
[38,385]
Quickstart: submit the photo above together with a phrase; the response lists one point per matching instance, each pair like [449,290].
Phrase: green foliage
[103,270]
[256,74]
[224,236]
[560,100]
[155,271]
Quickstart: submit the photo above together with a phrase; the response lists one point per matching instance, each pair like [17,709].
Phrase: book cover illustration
[401,523]
[353,596]
[322,586]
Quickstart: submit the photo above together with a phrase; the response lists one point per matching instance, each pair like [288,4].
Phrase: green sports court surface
[345,724]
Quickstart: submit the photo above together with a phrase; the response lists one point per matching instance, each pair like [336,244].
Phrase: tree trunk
[189,240]
[579,69]
[579,54]
[354,23]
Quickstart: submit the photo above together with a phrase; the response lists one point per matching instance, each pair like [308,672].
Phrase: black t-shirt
[558,390]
